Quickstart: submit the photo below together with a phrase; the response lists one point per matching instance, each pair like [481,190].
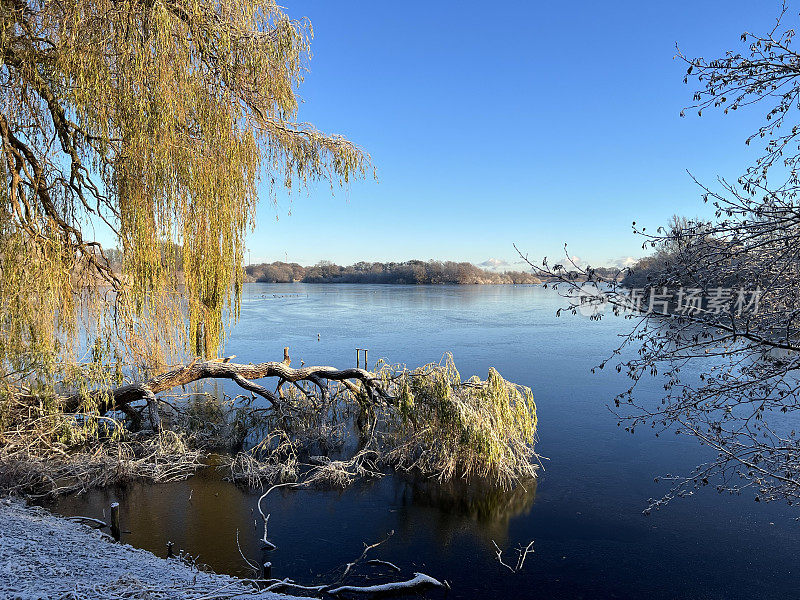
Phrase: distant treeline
[409,272]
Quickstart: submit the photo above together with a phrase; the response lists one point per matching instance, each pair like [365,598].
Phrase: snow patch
[43,556]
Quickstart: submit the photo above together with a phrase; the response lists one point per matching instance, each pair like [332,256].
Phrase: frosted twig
[522,554]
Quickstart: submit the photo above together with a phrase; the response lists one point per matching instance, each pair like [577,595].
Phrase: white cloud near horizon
[494,263]
[624,262]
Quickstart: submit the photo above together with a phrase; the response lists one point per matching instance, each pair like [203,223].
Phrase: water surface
[584,513]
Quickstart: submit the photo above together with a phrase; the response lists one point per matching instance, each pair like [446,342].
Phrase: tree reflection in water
[489,507]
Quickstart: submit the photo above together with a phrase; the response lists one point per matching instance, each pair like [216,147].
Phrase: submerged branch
[419,581]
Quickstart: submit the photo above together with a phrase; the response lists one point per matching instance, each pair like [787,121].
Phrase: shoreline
[398,283]
[44,556]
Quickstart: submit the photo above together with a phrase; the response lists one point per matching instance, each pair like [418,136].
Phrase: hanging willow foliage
[156,120]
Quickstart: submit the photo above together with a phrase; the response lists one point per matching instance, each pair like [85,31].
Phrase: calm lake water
[584,513]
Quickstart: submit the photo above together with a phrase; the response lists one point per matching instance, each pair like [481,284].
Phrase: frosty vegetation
[338,426]
[745,403]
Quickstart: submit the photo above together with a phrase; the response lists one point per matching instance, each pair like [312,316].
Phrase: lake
[584,514]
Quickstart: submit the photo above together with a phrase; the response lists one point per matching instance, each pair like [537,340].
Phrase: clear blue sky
[538,123]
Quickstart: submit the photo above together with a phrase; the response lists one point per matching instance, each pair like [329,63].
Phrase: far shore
[411,272]
[397,283]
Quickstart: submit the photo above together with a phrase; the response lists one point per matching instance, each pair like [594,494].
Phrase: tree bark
[119,398]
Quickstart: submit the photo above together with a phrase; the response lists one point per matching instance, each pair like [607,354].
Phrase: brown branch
[241,374]
[39,183]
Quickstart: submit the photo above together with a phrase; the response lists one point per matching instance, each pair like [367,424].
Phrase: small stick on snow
[88,521]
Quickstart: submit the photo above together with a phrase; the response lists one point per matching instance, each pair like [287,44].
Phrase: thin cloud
[493,263]
[624,262]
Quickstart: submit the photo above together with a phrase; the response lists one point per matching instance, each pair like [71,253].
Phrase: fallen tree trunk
[243,375]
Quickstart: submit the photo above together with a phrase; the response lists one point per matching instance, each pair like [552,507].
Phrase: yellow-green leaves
[156,120]
[451,429]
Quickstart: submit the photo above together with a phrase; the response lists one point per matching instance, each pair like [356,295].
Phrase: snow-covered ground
[44,556]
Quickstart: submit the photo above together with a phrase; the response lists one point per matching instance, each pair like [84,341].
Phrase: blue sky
[535,123]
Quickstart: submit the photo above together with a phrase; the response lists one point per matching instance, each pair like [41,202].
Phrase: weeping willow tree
[155,121]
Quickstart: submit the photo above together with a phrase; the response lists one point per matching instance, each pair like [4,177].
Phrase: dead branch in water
[242,375]
[91,522]
[419,581]
[367,548]
[522,554]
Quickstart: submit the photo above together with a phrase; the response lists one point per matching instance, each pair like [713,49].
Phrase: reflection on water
[489,508]
[202,516]
[584,513]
